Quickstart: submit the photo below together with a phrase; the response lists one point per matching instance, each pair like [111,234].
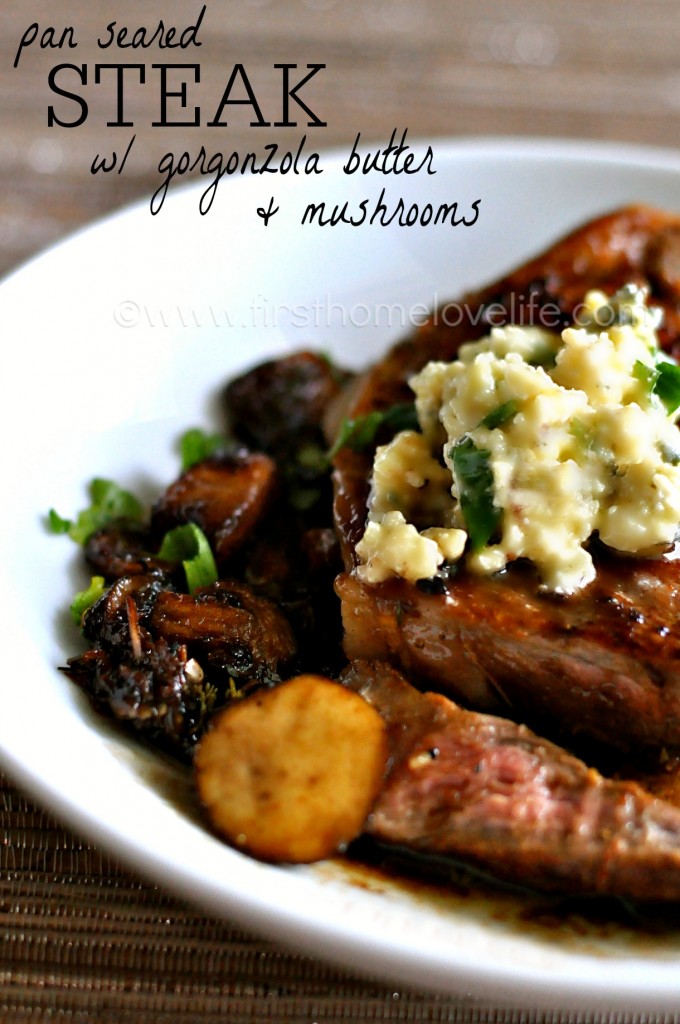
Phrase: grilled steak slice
[605,662]
[605,665]
[493,794]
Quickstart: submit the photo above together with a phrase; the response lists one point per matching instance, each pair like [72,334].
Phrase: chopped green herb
[56,524]
[543,356]
[312,457]
[84,599]
[648,375]
[401,417]
[667,385]
[500,415]
[303,498]
[189,545]
[108,502]
[662,380]
[474,481]
[583,433]
[195,446]
[358,434]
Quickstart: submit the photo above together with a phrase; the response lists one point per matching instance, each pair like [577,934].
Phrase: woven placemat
[85,940]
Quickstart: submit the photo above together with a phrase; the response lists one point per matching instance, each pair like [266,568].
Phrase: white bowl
[117,340]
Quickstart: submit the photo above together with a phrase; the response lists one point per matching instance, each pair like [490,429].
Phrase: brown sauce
[592,926]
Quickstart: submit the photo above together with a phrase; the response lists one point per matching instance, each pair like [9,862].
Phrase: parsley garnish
[648,375]
[662,380]
[500,415]
[108,502]
[195,445]
[667,386]
[359,433]
[584,434]
[189,545]
[474,482]
[84,599]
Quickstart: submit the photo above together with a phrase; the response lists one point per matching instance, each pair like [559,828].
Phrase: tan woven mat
[84,940]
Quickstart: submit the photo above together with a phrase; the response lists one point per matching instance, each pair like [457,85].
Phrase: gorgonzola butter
[567,436]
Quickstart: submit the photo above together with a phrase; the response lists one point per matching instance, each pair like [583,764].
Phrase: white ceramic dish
[117,340]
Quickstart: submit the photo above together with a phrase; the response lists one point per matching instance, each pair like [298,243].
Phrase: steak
[603,663]
[494,795]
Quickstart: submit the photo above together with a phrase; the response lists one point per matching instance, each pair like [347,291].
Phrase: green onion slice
[196,445]
[108,501]
[189,545]
[84,599]
[359,433]
[500,415]
[667,386]
[474,482]
[662,380]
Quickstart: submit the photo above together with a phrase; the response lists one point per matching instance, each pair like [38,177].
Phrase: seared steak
[494,795]
[604,662]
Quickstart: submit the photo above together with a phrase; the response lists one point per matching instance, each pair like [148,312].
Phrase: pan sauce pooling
[547,439]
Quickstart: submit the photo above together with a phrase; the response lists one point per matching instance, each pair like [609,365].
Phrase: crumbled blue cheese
[576,440]
[408,478]
[393,547]
[409,486]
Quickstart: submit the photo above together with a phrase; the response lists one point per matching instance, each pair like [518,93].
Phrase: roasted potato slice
[290,774]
